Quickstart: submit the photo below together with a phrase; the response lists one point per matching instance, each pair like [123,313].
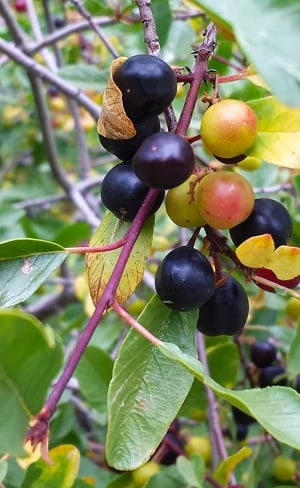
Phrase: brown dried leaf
[113,122]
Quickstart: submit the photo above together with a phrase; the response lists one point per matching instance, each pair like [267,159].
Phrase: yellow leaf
[255,78]
[278,137]
[260,252]
[113,122]
[226,467]
[100,265]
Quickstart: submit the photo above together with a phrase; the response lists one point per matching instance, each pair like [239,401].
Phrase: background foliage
[55,61]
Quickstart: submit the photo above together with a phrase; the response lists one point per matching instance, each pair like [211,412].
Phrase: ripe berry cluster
[223,199]
[150,158]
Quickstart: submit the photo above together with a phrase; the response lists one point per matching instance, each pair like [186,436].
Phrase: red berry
[20,6]
[271,276]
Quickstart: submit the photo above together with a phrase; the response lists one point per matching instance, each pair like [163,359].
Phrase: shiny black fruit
[267,217]
[184,279]
[164,160]
[148,85]
[272,375]
[241,417]
[226,312]
[125,149]
[123,193]
[263,353]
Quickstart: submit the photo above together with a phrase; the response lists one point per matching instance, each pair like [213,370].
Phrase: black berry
[272,375]
[263,353]
[148,85]
[164,160]
[125,149]
[267,217]
[184,279]
[123,193]
[226,312]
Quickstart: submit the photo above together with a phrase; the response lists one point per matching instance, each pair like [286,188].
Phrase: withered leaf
[113,122]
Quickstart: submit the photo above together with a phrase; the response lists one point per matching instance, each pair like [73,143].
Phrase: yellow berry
[199,445]
[284,469]
[250,163]
[181,205]
[141,475]
[293,308]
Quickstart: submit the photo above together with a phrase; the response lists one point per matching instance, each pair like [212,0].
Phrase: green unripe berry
[181,205]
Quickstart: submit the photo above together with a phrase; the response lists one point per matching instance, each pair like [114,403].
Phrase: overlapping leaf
[273,47]
[278,137]
[62,473]
[259,252]
[100,265]
[29,360]
[24,265]
[147,389]
[281,421]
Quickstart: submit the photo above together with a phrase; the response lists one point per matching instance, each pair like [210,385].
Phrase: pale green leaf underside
[276,408]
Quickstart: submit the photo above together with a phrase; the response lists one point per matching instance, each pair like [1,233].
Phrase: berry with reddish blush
[228,129]
[20,6]
[224,198]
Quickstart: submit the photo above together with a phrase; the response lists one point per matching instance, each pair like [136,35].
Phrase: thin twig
[78,4]
[43,73]
[36,29]
[153,47]
[213,417]
[200,72]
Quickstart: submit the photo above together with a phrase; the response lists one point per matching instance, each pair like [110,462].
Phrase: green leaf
[273,50]
[294,354]
[94,372]
[192,470]
[22,248]
[122,481]
[84,76]
[62,473]
[166,479]
[24,265]
[73,234]
[163,19]
[224,363]
[100,265]
[29,360]
[147,389]
[278,137]
[281,421]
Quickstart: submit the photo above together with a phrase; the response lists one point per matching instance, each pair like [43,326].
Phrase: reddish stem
[88,249]
[135,324]
[199,74]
